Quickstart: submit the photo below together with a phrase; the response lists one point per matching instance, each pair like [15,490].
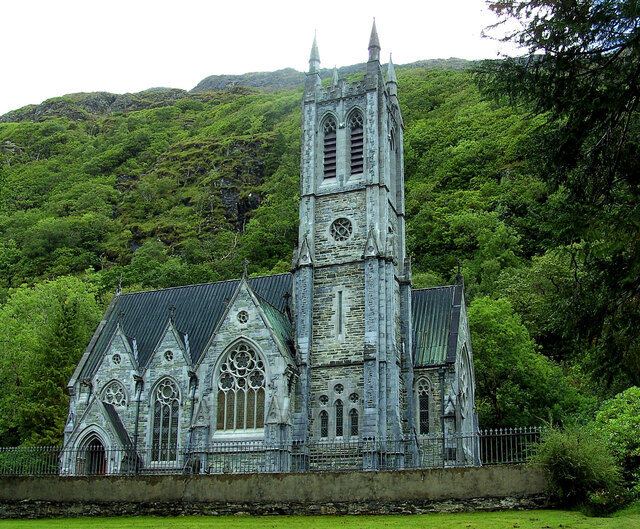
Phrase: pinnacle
[391,72]
[374,44]
[314,58]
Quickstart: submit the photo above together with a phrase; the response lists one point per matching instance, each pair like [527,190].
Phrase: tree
[43,332]
[582,72]
[516,385]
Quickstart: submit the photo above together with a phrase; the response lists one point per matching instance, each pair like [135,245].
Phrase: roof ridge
[431,288]
[263,300]
[201,284]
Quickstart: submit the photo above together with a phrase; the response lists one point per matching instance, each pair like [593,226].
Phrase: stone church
[338,362]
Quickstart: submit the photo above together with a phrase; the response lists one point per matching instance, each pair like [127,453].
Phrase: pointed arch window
[353,422]
[324,424]
[356,142]
[329,147]
[339,418]
[241,390]
[423,398]
[166,402]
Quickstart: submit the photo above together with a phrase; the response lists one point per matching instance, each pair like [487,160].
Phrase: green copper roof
[433,313]
[280,324]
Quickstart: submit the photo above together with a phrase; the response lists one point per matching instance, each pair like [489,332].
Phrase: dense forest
[165,188]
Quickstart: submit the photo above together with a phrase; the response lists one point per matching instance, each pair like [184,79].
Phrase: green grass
[539,519]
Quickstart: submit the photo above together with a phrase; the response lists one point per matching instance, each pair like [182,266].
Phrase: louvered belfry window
[356,142]
[329,160]
[241,390]
[165,421]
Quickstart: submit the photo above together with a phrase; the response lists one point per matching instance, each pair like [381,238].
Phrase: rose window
[243,316]
[341,229]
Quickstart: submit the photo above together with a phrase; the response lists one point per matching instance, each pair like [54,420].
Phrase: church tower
[352,278]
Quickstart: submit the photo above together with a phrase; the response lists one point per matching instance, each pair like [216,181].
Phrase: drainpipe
[139,384]
[441,375]
[193,382]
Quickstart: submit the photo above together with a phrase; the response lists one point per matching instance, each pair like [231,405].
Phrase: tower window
[353,422]
[324,424]
[339,314]
[241,389]
[341,229]
[356,142]
[329,132]
[339,418]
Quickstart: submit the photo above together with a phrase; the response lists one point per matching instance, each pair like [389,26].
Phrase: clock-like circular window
[341,229]
[243,316]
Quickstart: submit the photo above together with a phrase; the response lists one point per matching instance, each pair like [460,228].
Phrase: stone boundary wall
[410,491]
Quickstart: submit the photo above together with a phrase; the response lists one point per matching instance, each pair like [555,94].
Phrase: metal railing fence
[485,447]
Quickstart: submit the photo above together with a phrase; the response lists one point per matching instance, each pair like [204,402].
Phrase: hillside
[167,187]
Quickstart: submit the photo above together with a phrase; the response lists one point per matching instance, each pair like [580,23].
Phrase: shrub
[580,469]
[618,421]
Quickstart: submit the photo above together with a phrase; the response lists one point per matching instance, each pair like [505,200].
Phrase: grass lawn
[540,519]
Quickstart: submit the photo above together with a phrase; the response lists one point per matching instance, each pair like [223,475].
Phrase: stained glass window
[241,390]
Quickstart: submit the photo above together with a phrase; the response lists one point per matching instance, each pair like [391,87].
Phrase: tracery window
[114,393]
[329,147]
[341,229]
[356,142]
[339,418]
[166,401]
[353,422]
[324,424]
[423,391]
[241,390]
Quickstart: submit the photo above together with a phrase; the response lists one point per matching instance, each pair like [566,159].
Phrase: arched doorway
[92,458]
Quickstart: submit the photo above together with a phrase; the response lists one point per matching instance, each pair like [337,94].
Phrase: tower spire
[314,58]
[374,44]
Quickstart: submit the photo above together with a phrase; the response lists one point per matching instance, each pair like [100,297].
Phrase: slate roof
[197,310]
[116,422]
[143,316]
[435,314]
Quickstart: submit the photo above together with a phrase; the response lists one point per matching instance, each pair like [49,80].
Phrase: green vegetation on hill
[166,188]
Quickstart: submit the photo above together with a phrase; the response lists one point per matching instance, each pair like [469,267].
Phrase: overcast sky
[51,48]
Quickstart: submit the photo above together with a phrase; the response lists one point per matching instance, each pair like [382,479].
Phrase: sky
[56,47]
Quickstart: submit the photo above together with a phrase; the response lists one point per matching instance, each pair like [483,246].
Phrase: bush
[618,421]
[580,470]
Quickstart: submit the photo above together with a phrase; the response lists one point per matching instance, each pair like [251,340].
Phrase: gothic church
[337,353]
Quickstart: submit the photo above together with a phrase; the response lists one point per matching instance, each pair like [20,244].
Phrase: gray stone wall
[409,491]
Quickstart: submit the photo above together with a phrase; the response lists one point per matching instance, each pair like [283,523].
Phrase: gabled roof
[196,313]
[436,317]
[118,427]
[197,310]
[280,323]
